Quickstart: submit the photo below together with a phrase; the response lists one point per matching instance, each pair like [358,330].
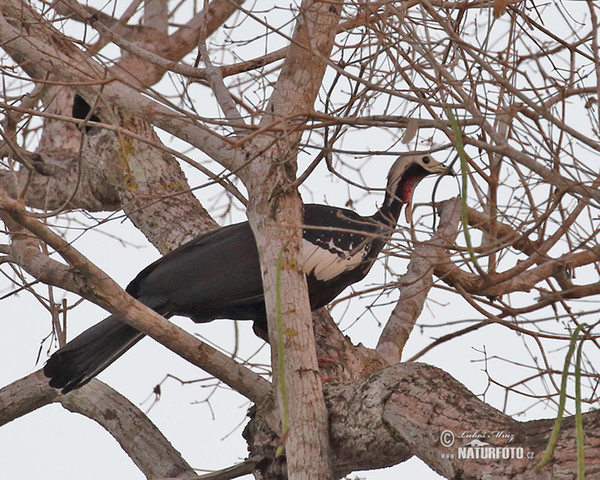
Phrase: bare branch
[244,468]
[221,92]
[410,413]
[102,290]
[414,285]
[523,282]
[138,436]
[44,60]
[296,374]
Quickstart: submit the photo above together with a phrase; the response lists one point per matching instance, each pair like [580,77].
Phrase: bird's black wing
[338,227]
[215,275]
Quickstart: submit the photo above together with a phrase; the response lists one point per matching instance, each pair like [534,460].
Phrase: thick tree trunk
[416,409]
[275,214]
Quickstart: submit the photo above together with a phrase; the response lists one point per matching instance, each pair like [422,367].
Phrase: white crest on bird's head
[406,173]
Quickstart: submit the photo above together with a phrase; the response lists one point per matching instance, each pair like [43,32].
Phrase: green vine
[280,358]
[464,214]
[579,416]
[561,406]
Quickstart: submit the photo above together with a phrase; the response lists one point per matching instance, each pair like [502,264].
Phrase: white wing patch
[326,264]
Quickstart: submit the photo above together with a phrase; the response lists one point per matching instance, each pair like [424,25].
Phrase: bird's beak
[450,172]
[437,168]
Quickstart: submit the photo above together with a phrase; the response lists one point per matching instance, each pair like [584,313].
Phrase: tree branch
[523,282]
[44,58]
[224,98]
[416,283]
[411,409]
[426,402]
[99,288]
[274,205]
[138,436]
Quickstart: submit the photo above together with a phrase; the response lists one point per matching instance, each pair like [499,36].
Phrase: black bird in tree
[217,275]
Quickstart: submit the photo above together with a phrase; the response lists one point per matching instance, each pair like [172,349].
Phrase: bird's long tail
[87,355]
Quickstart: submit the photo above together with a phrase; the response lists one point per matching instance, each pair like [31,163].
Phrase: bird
[217,274]
[81,110]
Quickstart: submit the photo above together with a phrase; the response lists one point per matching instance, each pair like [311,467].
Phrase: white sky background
[52,443]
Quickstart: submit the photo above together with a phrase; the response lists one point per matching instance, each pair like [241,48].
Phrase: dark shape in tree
[217,275]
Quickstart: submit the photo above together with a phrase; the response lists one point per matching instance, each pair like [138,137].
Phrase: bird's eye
[426,160]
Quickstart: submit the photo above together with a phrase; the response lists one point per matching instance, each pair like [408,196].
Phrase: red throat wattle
[406,188]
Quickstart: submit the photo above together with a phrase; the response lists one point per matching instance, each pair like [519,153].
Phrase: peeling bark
[405,410]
